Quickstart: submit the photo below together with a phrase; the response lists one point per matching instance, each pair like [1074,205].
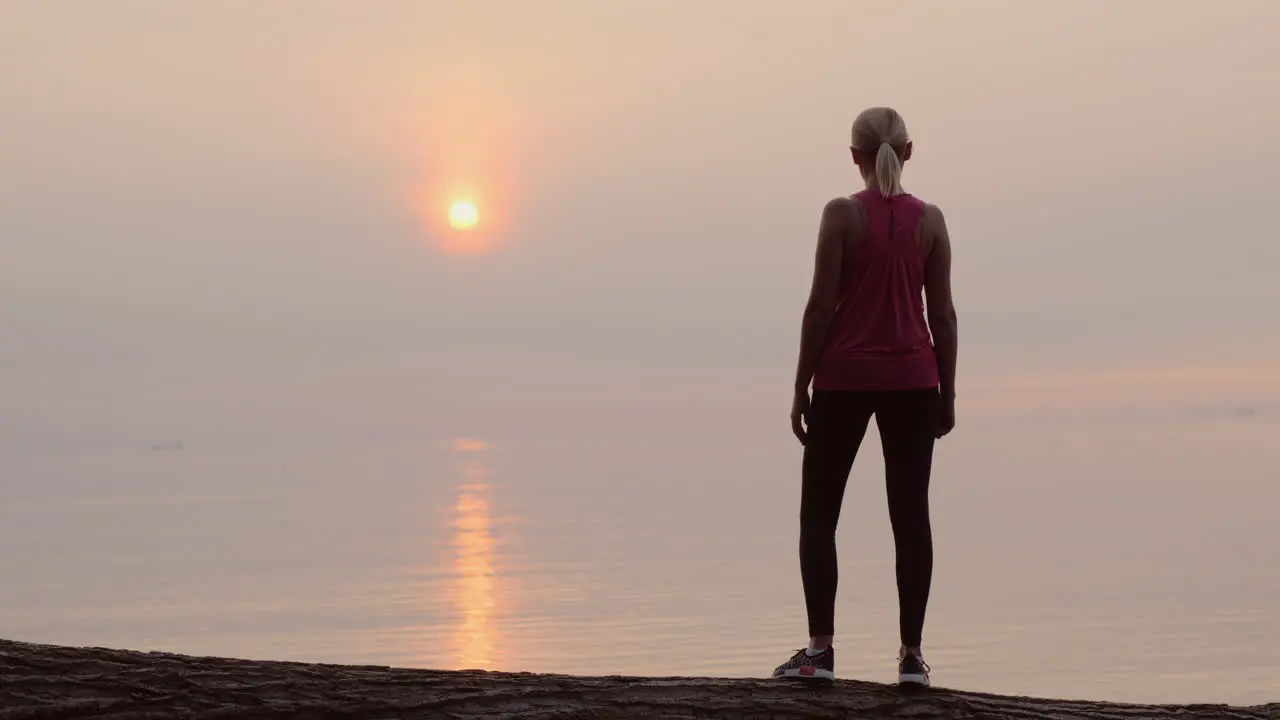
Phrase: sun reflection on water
[476,593]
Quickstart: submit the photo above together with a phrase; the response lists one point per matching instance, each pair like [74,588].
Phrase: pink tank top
[879,339]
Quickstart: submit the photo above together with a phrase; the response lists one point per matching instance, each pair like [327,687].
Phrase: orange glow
[476,587]
[463,215]
[468,445]
[464,202]
[451,215]
[476,594]
[471,163]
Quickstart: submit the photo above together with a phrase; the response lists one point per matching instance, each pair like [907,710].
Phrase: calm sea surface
[1105,532]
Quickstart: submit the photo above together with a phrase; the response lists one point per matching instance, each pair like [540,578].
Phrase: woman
[867,349]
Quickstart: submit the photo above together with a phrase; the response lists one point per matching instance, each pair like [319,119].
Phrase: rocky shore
[45,681]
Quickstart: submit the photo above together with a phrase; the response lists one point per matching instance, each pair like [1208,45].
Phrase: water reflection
[475,593]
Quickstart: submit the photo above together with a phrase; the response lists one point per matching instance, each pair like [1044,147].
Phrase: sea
[1104,513]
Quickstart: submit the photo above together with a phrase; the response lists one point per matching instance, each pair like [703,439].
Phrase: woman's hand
[946,414]
[800,409]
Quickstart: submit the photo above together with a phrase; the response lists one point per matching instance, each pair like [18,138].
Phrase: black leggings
[837,422]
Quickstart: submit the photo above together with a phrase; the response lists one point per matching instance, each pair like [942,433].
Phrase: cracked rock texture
[45,681]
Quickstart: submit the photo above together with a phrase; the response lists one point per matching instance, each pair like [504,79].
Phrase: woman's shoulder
[920,203]
[845,213]
[848,206]
[930,211]
[927,211]
[839,208]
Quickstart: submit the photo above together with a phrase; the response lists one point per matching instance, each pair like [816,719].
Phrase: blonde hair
[882,132]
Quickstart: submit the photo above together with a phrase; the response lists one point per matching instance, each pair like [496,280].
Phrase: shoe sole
[806,674]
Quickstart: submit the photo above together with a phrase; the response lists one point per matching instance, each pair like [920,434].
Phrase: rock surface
[45,681]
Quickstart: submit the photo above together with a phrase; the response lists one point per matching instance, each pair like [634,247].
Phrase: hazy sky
[205,198]
[223,224]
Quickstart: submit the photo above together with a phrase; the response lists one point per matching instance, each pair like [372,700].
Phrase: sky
[240,207]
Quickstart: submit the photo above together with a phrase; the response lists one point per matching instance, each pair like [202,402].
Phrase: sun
[463,215]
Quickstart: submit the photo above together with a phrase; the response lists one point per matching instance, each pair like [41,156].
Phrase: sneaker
[803,666]
[912,670]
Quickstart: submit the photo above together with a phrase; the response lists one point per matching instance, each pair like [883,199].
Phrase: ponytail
[888,171]
[881,132]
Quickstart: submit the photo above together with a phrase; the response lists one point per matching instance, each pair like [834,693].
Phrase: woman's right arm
[941,309]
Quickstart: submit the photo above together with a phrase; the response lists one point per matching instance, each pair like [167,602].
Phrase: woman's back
[879,339]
